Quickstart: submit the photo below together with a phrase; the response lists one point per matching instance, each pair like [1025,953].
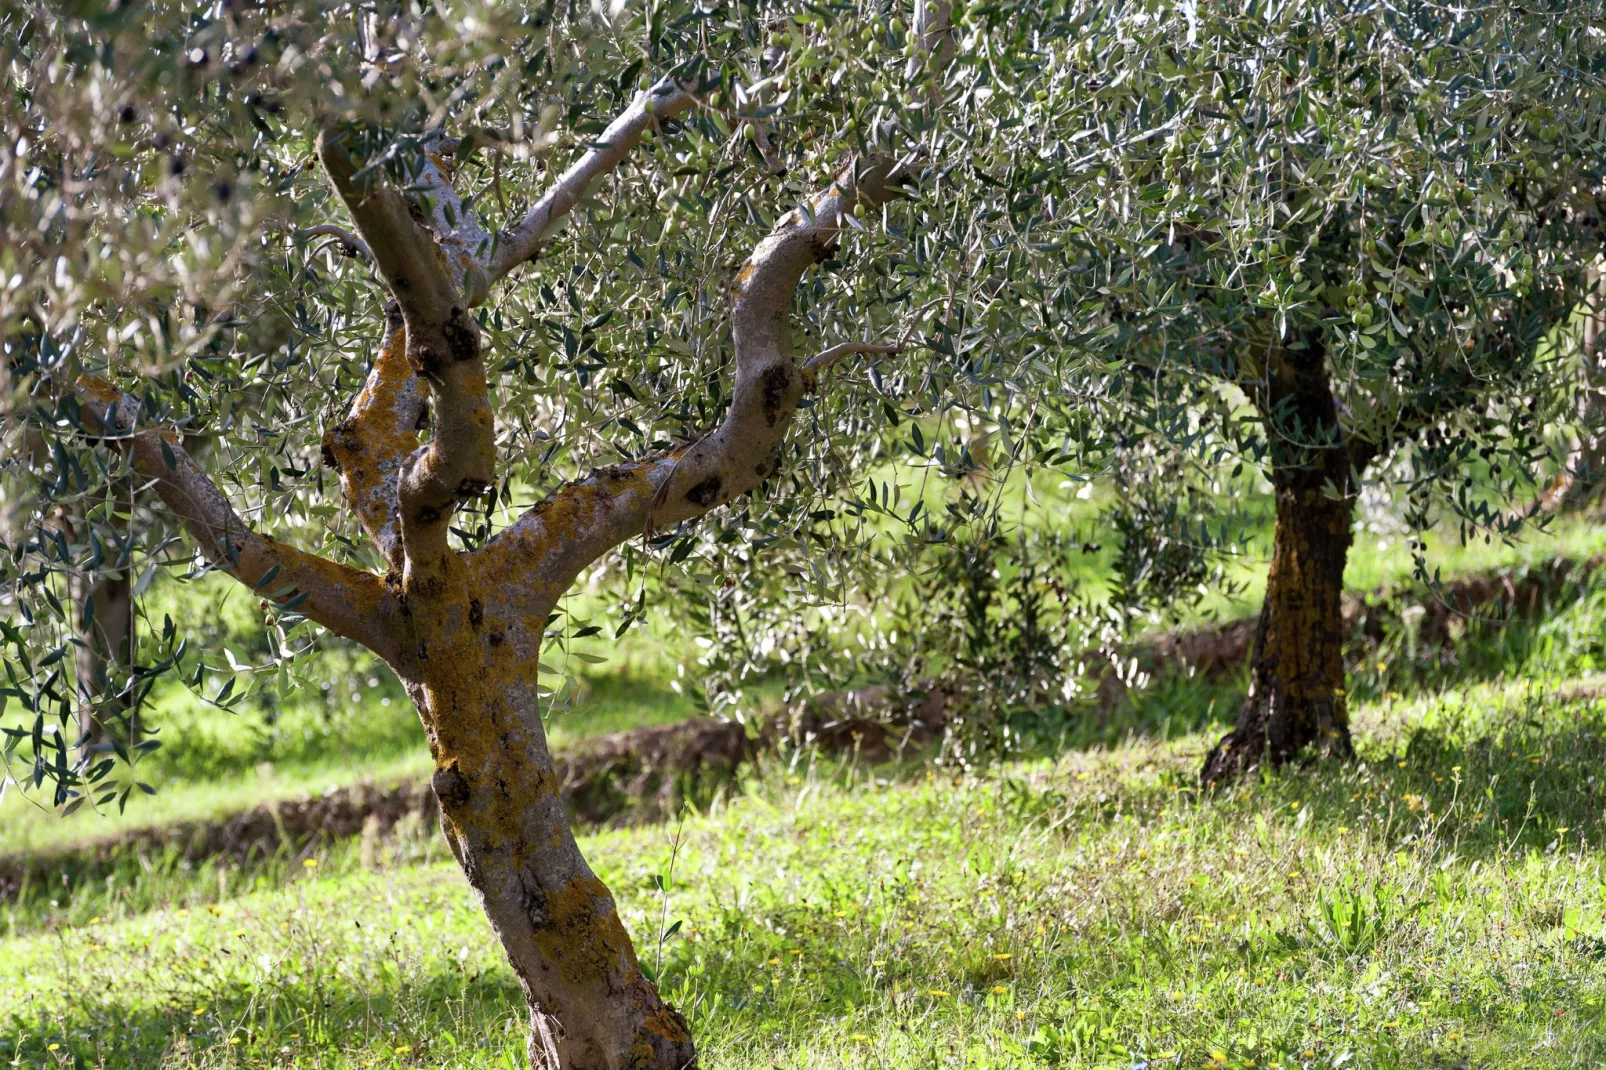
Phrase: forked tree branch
[552,542]
[434,272]
[407,253]
[347,601]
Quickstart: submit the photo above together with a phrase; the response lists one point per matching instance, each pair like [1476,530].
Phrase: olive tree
[1340,241]
[297,235]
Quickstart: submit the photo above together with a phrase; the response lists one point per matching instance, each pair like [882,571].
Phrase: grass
[1439,904]
[221,764]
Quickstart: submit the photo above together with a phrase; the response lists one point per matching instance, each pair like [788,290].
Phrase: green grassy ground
[1438,905]
[222,764]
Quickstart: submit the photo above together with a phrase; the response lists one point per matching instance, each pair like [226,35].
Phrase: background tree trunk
[1296,688]
[1580,485]
[106,658]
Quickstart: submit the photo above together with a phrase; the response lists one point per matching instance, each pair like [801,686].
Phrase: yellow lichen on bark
[363,591]
[583,935]
[382,430]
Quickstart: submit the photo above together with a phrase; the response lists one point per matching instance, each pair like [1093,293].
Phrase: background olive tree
[1329,243]
[1341,242]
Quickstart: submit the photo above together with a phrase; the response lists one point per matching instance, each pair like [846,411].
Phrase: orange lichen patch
[99,389]
[440,258]
[381,431]
[583,935]
[659,1023]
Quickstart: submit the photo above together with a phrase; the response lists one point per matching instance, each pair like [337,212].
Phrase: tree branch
[345,600]
[350,244]
[435,272]
[407,253]
[370,447]
[580,521]
[437,269]
[523,242]
[830,356]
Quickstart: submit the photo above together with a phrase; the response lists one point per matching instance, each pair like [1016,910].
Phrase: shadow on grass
[930,926]
[1559,636]
[1482,776]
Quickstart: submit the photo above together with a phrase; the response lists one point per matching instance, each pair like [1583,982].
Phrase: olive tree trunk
[105,660]
[463,630]
[1296,703]
[502,815]
[1296,684]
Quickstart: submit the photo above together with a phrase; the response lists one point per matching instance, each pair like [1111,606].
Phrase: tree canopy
[1123,205]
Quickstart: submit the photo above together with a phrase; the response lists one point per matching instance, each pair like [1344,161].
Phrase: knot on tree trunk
[451,787]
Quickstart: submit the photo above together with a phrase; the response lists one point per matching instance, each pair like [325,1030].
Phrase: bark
[477,638]
[1296,687]
[464,631]
[1296,700]
[105,661]
[504,818]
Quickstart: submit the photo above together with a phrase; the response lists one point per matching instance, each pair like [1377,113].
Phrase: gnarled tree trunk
[462,630]
[506,824]
[1296,691]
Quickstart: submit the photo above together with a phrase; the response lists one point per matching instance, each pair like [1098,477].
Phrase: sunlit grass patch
[1439,903]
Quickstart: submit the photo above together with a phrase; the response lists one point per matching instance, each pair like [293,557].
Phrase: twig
[844,349]
[350,244]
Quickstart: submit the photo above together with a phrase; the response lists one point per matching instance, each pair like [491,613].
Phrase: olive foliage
[167,226]
[1119,202]
[1411,192]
